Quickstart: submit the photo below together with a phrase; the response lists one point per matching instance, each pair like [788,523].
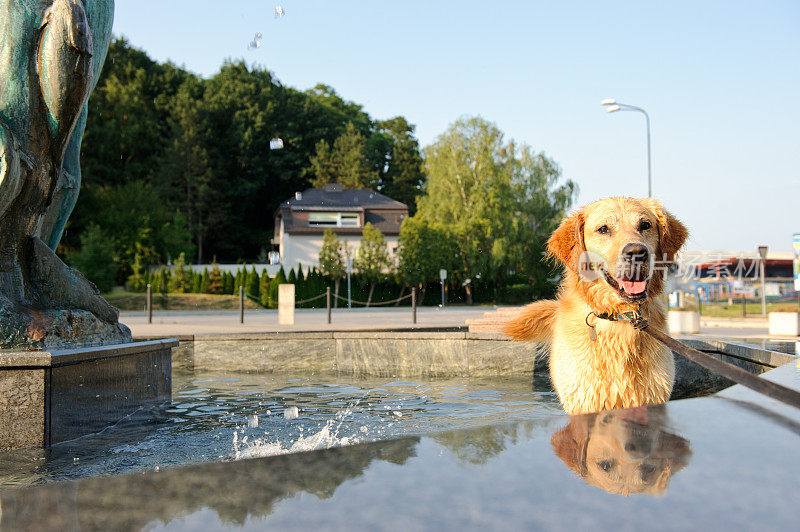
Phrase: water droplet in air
[291,413]
[279,11]
[252,421]
[276,144]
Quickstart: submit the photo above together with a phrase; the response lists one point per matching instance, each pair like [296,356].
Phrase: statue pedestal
[51,396]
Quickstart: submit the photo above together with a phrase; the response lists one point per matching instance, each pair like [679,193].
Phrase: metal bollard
[241,304]
[149,304]
[413,304]
[328,302]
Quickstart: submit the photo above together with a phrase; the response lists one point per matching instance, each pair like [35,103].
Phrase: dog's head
[619,247]
[623,451]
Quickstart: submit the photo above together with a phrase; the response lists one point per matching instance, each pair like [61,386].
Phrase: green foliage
[499,200]
[425,248]
[181,281]
[279,279]
[346,163]
[164,280]
[372,258]
[161,140]
[332,256]
[204,282]
[95,260]
[197,282]
[137,282]
[403,178]
[214,285]
[253,287]
[227,283]
[264,288]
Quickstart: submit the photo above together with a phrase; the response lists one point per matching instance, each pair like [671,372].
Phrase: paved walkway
[177,323]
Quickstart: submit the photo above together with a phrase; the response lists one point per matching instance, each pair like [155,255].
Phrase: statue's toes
[64,64]
[10,172]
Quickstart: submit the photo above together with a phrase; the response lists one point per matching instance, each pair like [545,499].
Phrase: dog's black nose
[635,253]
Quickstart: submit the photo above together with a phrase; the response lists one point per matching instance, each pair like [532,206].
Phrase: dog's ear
[570,443]
[566,242]
[671,232]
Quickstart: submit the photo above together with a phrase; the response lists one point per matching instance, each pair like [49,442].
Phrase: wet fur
[623,367]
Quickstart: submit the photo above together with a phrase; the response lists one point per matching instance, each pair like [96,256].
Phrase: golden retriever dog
[625,451]
[615,252]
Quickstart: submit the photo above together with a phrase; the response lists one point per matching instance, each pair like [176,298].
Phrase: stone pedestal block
[683,321]
[784,323]
[286,304]
[52,396]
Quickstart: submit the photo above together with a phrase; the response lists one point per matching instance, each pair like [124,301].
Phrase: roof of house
[379,210]
[333,197]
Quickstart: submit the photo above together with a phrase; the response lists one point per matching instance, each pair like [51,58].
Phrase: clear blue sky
[719,79]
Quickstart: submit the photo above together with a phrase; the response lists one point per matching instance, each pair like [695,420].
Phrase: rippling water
[227,416]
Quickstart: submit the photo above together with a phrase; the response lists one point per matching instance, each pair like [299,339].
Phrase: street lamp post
[762,251]
[613,106]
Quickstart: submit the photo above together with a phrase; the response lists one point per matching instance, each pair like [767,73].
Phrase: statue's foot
[26,328]
[59,286]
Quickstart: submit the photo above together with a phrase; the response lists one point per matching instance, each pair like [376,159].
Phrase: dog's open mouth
[631,285]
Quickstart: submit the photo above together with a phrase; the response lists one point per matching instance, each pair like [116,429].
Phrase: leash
[724,369]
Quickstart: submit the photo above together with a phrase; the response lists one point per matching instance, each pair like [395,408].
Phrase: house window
[348,219]
[334,219]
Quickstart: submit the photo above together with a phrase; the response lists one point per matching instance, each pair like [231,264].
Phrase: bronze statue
[51,55]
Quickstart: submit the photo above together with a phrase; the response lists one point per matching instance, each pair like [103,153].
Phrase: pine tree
[264,284]
[227,283]
[137,282]
[280,278]
[164,280]
[253,288]
[180,282]
[197,280]
[204,281]
[214,280]
[300,286]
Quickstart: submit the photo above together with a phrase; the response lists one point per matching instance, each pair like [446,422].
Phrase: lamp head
[613,108]
[608,101]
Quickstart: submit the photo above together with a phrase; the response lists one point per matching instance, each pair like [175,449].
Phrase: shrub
[95,260]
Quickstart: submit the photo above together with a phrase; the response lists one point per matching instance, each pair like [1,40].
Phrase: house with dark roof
[301,221]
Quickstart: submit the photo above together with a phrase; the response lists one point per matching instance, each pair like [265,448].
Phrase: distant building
[301,221]
[725,273]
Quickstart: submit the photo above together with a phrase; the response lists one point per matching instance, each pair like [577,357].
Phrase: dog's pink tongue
[634,287]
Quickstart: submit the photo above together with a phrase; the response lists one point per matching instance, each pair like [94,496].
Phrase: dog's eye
[644,225]
[605,465]
[603,230]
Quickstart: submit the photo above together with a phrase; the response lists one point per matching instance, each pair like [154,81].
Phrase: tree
[332,260]
[499,200]
[403,178]
[372,258]
[347,163]
[95,260]
[279,279]
[204,285]
[137,282]
[424,249]
[264,286]
[253,287]
[181,282]
[214,285]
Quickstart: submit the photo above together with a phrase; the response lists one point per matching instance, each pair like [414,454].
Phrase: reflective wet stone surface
[727,461]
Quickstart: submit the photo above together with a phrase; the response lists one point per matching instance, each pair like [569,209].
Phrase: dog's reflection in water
[623,451]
